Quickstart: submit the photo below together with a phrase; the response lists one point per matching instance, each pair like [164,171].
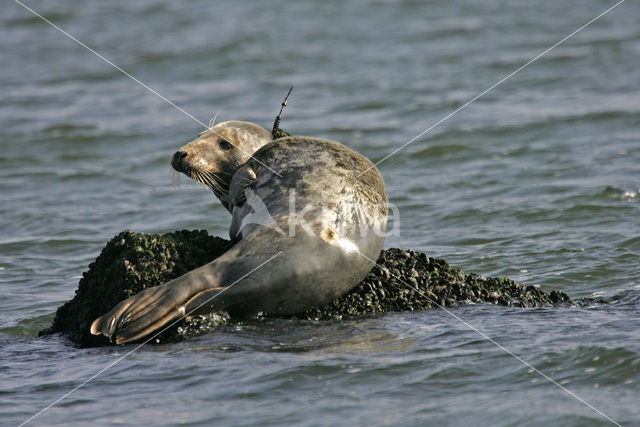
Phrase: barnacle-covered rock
[402,280]
[128,264]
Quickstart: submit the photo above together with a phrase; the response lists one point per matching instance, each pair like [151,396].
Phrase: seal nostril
[180,155]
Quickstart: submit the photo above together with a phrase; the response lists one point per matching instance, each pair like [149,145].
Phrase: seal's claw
[141,314]
[143,327]
[99,326]
[107,324]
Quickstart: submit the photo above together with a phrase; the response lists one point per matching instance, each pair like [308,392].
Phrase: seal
[309,216]
[218,153]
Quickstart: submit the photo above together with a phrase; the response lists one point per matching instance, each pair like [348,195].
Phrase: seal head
[217,153]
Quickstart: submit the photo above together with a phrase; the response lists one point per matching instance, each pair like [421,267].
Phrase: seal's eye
[225,145]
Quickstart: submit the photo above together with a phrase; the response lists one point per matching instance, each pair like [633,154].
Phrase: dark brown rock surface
[402,280]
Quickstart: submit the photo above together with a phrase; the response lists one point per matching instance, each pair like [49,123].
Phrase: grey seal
[309,216]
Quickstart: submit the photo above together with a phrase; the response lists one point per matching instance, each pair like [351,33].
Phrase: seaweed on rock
[128,264]
[407,280]
[402,280]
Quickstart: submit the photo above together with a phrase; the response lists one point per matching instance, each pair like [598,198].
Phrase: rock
[129,263]
[403,281]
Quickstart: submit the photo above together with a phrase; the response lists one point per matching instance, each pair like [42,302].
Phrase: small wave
[618,193]
[33,20]
[440,151]
[627,299]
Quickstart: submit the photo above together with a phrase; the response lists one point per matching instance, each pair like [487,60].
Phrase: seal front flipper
[155,307]
[242,180]
[107,324]
[139,315]
[245,214]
